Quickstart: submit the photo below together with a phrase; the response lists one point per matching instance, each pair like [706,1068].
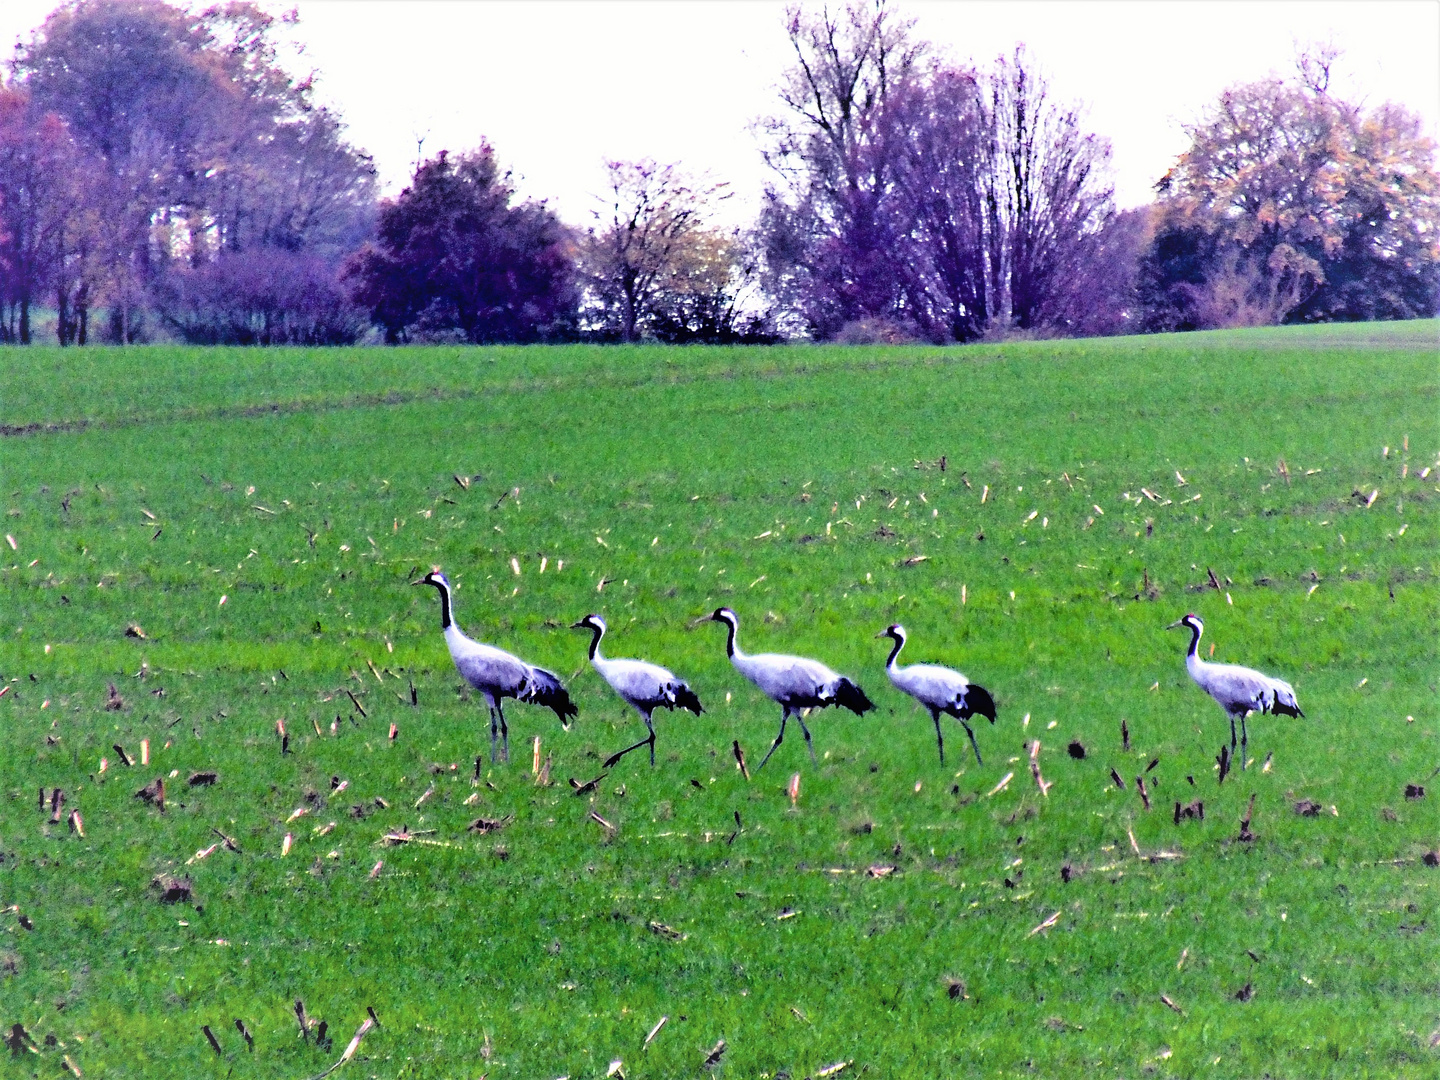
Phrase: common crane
[496,673]
[792,682]
[645,687]
[1239,690]
[940,690]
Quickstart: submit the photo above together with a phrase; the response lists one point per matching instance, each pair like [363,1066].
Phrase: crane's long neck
[1193,663]
[731,649]
[895,652]
[445,616]
[595,657]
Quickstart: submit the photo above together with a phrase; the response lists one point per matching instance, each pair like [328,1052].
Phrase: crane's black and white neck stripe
[732,622]
[596,625]
[896,632]
[442,585]
[1196,626]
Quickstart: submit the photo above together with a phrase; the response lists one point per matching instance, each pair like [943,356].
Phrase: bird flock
[796,683]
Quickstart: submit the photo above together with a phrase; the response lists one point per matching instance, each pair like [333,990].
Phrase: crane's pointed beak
[419,581]
[581,625]
[699,620]
[1177,622]
[883,633]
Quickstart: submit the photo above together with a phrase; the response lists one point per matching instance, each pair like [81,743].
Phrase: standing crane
[1238,690]
[645,687]
[496,673]
[940,690]
[792,682]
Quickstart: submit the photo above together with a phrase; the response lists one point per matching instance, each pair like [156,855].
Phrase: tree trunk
[62,313]
[629,316]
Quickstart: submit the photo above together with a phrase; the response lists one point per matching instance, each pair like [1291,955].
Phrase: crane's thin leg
[973,745]
[778,740]
[649,740]
[1244,742]
[494,734]
[1232,735]
[504,734]
[939,738]
[810,745]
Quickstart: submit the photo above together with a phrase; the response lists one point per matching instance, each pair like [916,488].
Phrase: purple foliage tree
[453,258]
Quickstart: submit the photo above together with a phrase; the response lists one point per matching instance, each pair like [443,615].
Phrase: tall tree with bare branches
[832,221]
[946,201]
[652,247]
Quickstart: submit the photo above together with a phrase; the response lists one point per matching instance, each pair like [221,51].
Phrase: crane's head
[590,622]
[435,578]
[894,630]
[726,616]
[1189,622]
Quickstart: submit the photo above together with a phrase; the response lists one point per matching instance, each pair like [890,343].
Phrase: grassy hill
[257,517]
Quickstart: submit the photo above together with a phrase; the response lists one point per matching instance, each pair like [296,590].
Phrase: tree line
[163,177]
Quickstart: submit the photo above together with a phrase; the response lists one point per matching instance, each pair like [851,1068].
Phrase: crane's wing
[544,688]
[490,669]
[1237,689]
[931,684]
[976,699]
[648,686]
[785,677]
[1281,700]
[685,698]
[848,695]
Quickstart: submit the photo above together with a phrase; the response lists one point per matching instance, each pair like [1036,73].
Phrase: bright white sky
[557,87]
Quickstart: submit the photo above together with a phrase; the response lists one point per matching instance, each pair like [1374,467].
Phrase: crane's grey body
[645,687]
[939,689]
[1238,690]
[792,682]
[497,674]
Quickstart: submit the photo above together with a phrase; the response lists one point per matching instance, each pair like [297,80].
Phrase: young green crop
[254,519]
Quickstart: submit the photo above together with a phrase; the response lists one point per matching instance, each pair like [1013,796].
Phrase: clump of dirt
[173,890]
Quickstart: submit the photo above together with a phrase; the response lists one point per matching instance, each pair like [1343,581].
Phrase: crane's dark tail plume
[850,696]
[1283,708]
[977,700]
[685,699]
[545,689]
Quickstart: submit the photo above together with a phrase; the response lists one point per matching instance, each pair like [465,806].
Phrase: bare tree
[947,202]
[1048,195]
[830,224]
[943,179]
[652,239]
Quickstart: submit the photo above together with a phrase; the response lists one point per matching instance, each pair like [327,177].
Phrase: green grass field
[258,515]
